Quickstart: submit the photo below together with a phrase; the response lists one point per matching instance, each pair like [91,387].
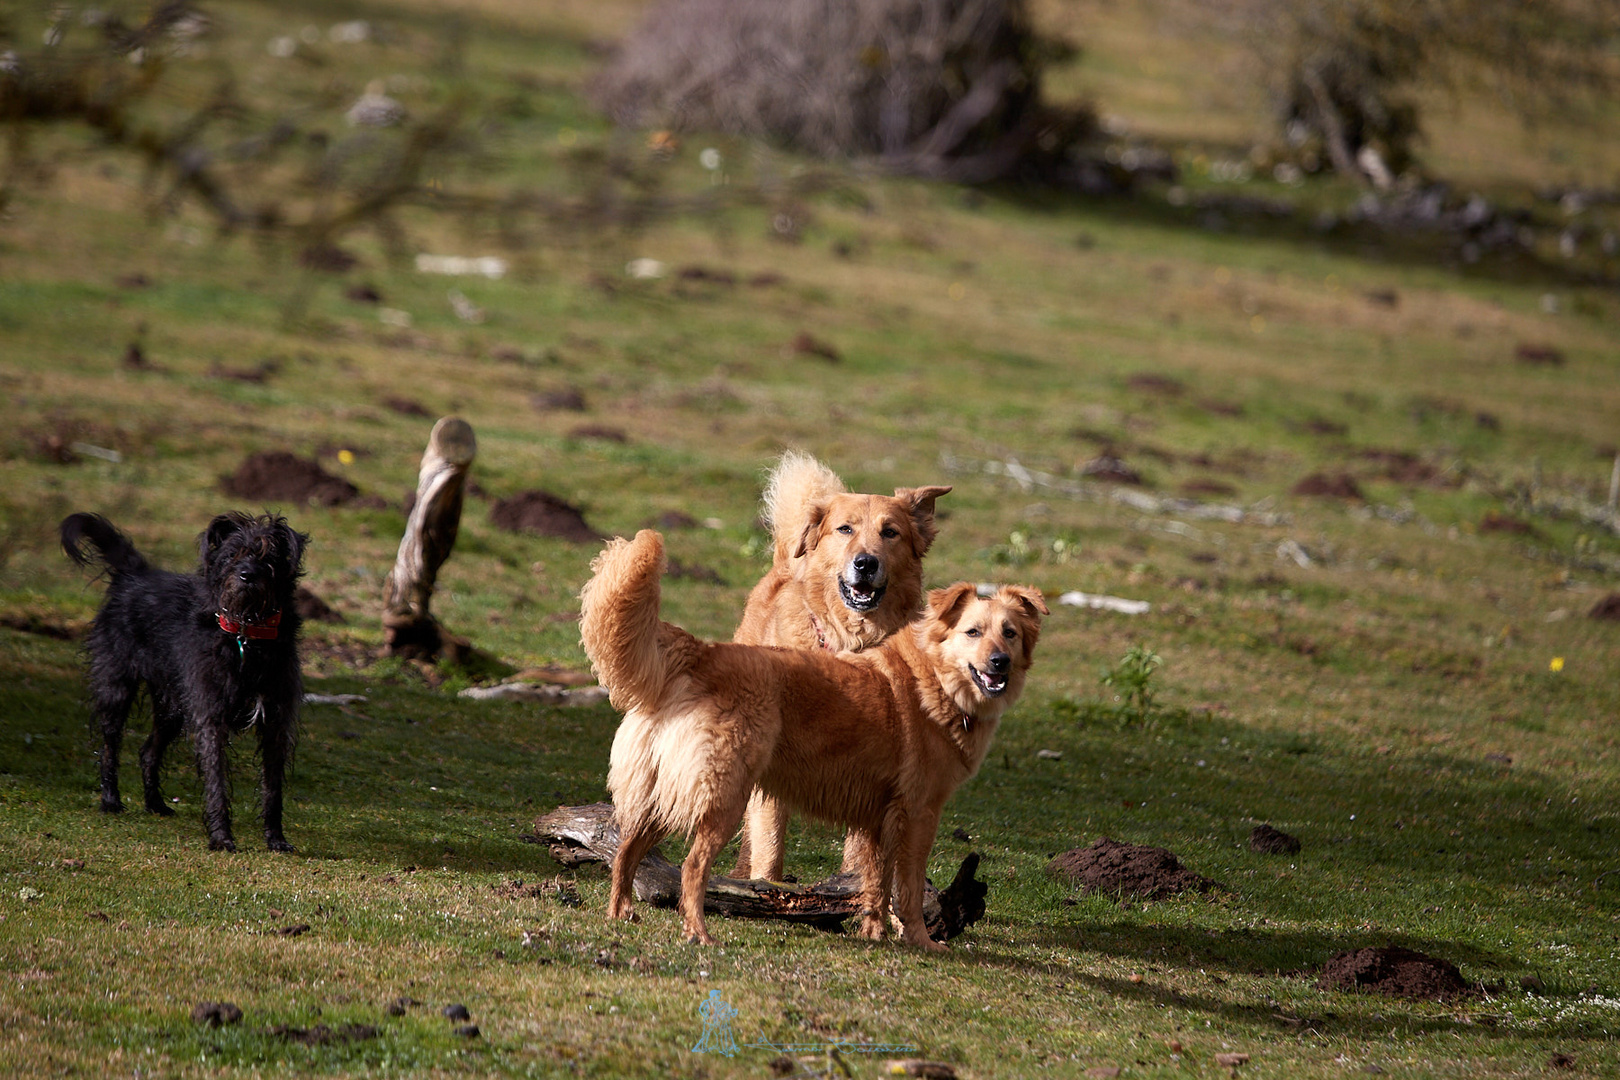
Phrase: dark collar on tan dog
[266,629]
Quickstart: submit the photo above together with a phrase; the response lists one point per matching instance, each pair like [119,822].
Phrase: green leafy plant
[1132,682]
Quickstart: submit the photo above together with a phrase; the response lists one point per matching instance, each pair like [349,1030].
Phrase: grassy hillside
[1407,681]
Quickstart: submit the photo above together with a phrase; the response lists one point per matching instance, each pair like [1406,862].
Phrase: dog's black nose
[999,663]
[247,573]
[866,565]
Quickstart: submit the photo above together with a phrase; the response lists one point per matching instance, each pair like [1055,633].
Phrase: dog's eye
[889,532]
[846,530]
[1009,633]
[974,631]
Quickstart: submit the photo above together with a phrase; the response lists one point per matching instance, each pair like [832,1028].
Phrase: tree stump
[409,627]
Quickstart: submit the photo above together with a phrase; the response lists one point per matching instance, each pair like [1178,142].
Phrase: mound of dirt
[311,608]
[1495,521]
[1272,841]
[543,513]
[278,476]
[1333,486]
[1395,971]
[1607,608]
[1108,866]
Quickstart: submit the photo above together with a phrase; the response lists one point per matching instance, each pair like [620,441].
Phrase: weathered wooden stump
[409,627]
[583,834]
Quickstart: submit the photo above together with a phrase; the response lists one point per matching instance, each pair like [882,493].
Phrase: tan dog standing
[846,572]
[875,741]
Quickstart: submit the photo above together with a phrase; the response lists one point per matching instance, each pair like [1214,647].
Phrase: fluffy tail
[91,538]
[629,649]
[797,486]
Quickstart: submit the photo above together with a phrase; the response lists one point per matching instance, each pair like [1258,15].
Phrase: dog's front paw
[156,805]
[279,843]
[114,805]
[218,843]
[871,928]
[700,937]
[928,944]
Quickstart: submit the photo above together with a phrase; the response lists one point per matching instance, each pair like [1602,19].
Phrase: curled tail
[629,648]
[796,489]
[91,538]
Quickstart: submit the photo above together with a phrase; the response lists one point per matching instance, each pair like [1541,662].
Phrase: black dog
[217,651]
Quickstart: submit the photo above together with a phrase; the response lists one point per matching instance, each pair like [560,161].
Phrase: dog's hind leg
[634,843]
[764,833]
[208,736]
[870,856]
[113,700]
[166,723]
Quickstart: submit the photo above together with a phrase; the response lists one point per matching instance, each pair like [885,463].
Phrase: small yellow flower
[1557,664]
[347,458]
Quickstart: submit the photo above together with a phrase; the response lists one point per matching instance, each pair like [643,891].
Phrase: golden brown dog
[846,572]
[875,741]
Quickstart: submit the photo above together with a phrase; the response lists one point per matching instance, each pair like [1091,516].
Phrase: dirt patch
[1538,355]
[674,519]
[1216,407]
[1110,469]
[1394,971]
[1330,485]
[32,622]
[1607,608]
[321,1035]
[1110,867]
[215,1013]
[804,344]
[1159,385]
[278,476]
[1272,841]
[1205,486]
[1505,523]
[545,514]
[679,571]
[599,431]
[566,399]
[312,608]
[1407,469]
[405,406]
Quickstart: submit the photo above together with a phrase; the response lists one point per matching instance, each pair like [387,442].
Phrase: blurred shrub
[1345,73]
[941,88]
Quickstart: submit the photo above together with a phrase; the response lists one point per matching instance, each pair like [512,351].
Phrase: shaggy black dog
[216,650]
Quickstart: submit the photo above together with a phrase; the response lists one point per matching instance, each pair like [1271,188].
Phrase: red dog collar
[259,631]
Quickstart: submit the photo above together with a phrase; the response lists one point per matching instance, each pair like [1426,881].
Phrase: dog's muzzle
[862,584]
[993,679]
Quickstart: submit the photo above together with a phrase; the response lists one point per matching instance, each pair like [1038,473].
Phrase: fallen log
[576,835]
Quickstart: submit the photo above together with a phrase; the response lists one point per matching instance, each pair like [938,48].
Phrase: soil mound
[543,513]
[311,608]
[277,476]
[1271,841]
[1395,971]
[1109,866]
[1607,608]
[1334,486]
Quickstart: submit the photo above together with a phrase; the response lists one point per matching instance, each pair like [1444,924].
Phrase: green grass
[1392,703]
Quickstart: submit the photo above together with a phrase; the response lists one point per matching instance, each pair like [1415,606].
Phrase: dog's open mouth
[861,596]
[991,683]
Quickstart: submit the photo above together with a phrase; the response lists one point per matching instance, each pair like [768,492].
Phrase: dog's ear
[1029,600]
[292,543]
[945,605]
[219,530]
[921,502]
[811,536]
[1030,604]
